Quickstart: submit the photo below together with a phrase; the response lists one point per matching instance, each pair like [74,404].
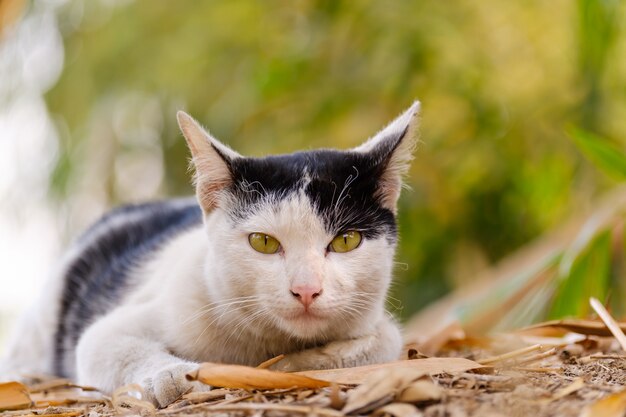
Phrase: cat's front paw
[170,383]
[307,360]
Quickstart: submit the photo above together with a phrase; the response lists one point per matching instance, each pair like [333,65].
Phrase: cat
[286,254]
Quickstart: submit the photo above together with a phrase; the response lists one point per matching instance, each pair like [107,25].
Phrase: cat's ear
[211,160]
[392,150]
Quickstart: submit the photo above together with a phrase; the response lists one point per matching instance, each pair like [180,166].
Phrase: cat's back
[96,274]
[105,257]
[136,228]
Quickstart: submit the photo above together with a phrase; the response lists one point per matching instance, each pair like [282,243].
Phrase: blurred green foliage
[605,155]
[588,276]
[498,82]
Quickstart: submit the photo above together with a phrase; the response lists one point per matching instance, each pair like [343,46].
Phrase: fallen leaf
[398,410]
[237,376]
[431,366]
[201,397]
[14,396]
[55,403]
[66,414]
[131,397]
[415,354]
[585,327]
[68,401]
[420,391]
[610,322]
[57,385]
[613,405]
[510,355]
[453,331]
[337,400]
[380,389]
[270,362]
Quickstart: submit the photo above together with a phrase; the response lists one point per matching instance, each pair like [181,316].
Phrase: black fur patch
[95,280]
[341,185]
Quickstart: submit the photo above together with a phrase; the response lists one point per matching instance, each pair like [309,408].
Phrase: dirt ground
[577,379]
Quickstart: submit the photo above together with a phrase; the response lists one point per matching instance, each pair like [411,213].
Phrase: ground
[571,379]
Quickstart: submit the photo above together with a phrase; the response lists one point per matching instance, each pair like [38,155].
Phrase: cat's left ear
[211,160]
[392,149]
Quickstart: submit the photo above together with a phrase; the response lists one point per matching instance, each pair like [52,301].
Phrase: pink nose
[306,293]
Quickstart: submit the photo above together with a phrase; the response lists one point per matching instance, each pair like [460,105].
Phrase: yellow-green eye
[263,243]
[345,242]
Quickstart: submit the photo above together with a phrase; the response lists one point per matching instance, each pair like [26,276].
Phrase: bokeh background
[89,91]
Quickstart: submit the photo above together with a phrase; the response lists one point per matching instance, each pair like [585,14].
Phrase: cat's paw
[307,360]
[170,383]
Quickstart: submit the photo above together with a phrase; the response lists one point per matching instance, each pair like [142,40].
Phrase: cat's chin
[305,324]
[306,315]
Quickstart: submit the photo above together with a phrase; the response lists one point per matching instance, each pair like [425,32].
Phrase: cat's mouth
[305,314]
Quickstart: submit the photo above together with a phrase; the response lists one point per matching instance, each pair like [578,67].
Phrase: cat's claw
[170,383]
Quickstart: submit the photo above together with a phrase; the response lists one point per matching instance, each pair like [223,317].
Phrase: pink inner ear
[390,183]
[388,192]
[212,173]
[398,163]
[212,177]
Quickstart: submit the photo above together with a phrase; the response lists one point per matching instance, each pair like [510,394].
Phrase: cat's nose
[306,293]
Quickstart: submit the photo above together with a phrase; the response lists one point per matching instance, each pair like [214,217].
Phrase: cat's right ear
[211,160]
[392,150]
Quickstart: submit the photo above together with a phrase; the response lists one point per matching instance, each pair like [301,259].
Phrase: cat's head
[303,242]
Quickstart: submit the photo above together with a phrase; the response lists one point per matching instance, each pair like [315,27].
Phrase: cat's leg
[124,348]
[383,344]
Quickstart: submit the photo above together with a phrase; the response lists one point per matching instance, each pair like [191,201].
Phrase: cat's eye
[345,242]
[263,243]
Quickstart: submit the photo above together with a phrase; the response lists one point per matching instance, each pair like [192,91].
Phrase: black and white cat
[288,254]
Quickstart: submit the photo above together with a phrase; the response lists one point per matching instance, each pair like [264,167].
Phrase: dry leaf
[380,389]
[585,327]
[69,401]
[237,376]
[337,400]
[53,384]
[510,355]
[129,397]
[613,405]
[14,396]
[270,362]
[66,414]
[398,410]
[431,366]
[610,322]
[55,403]
[432,345]
[420,391]
[415,354]
[202,397]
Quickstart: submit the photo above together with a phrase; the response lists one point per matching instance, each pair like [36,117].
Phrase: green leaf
[601,152]
[589,276]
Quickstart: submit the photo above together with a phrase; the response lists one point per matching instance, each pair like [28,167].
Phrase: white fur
[208,296]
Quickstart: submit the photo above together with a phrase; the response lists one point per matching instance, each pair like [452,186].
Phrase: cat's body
[151,290]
